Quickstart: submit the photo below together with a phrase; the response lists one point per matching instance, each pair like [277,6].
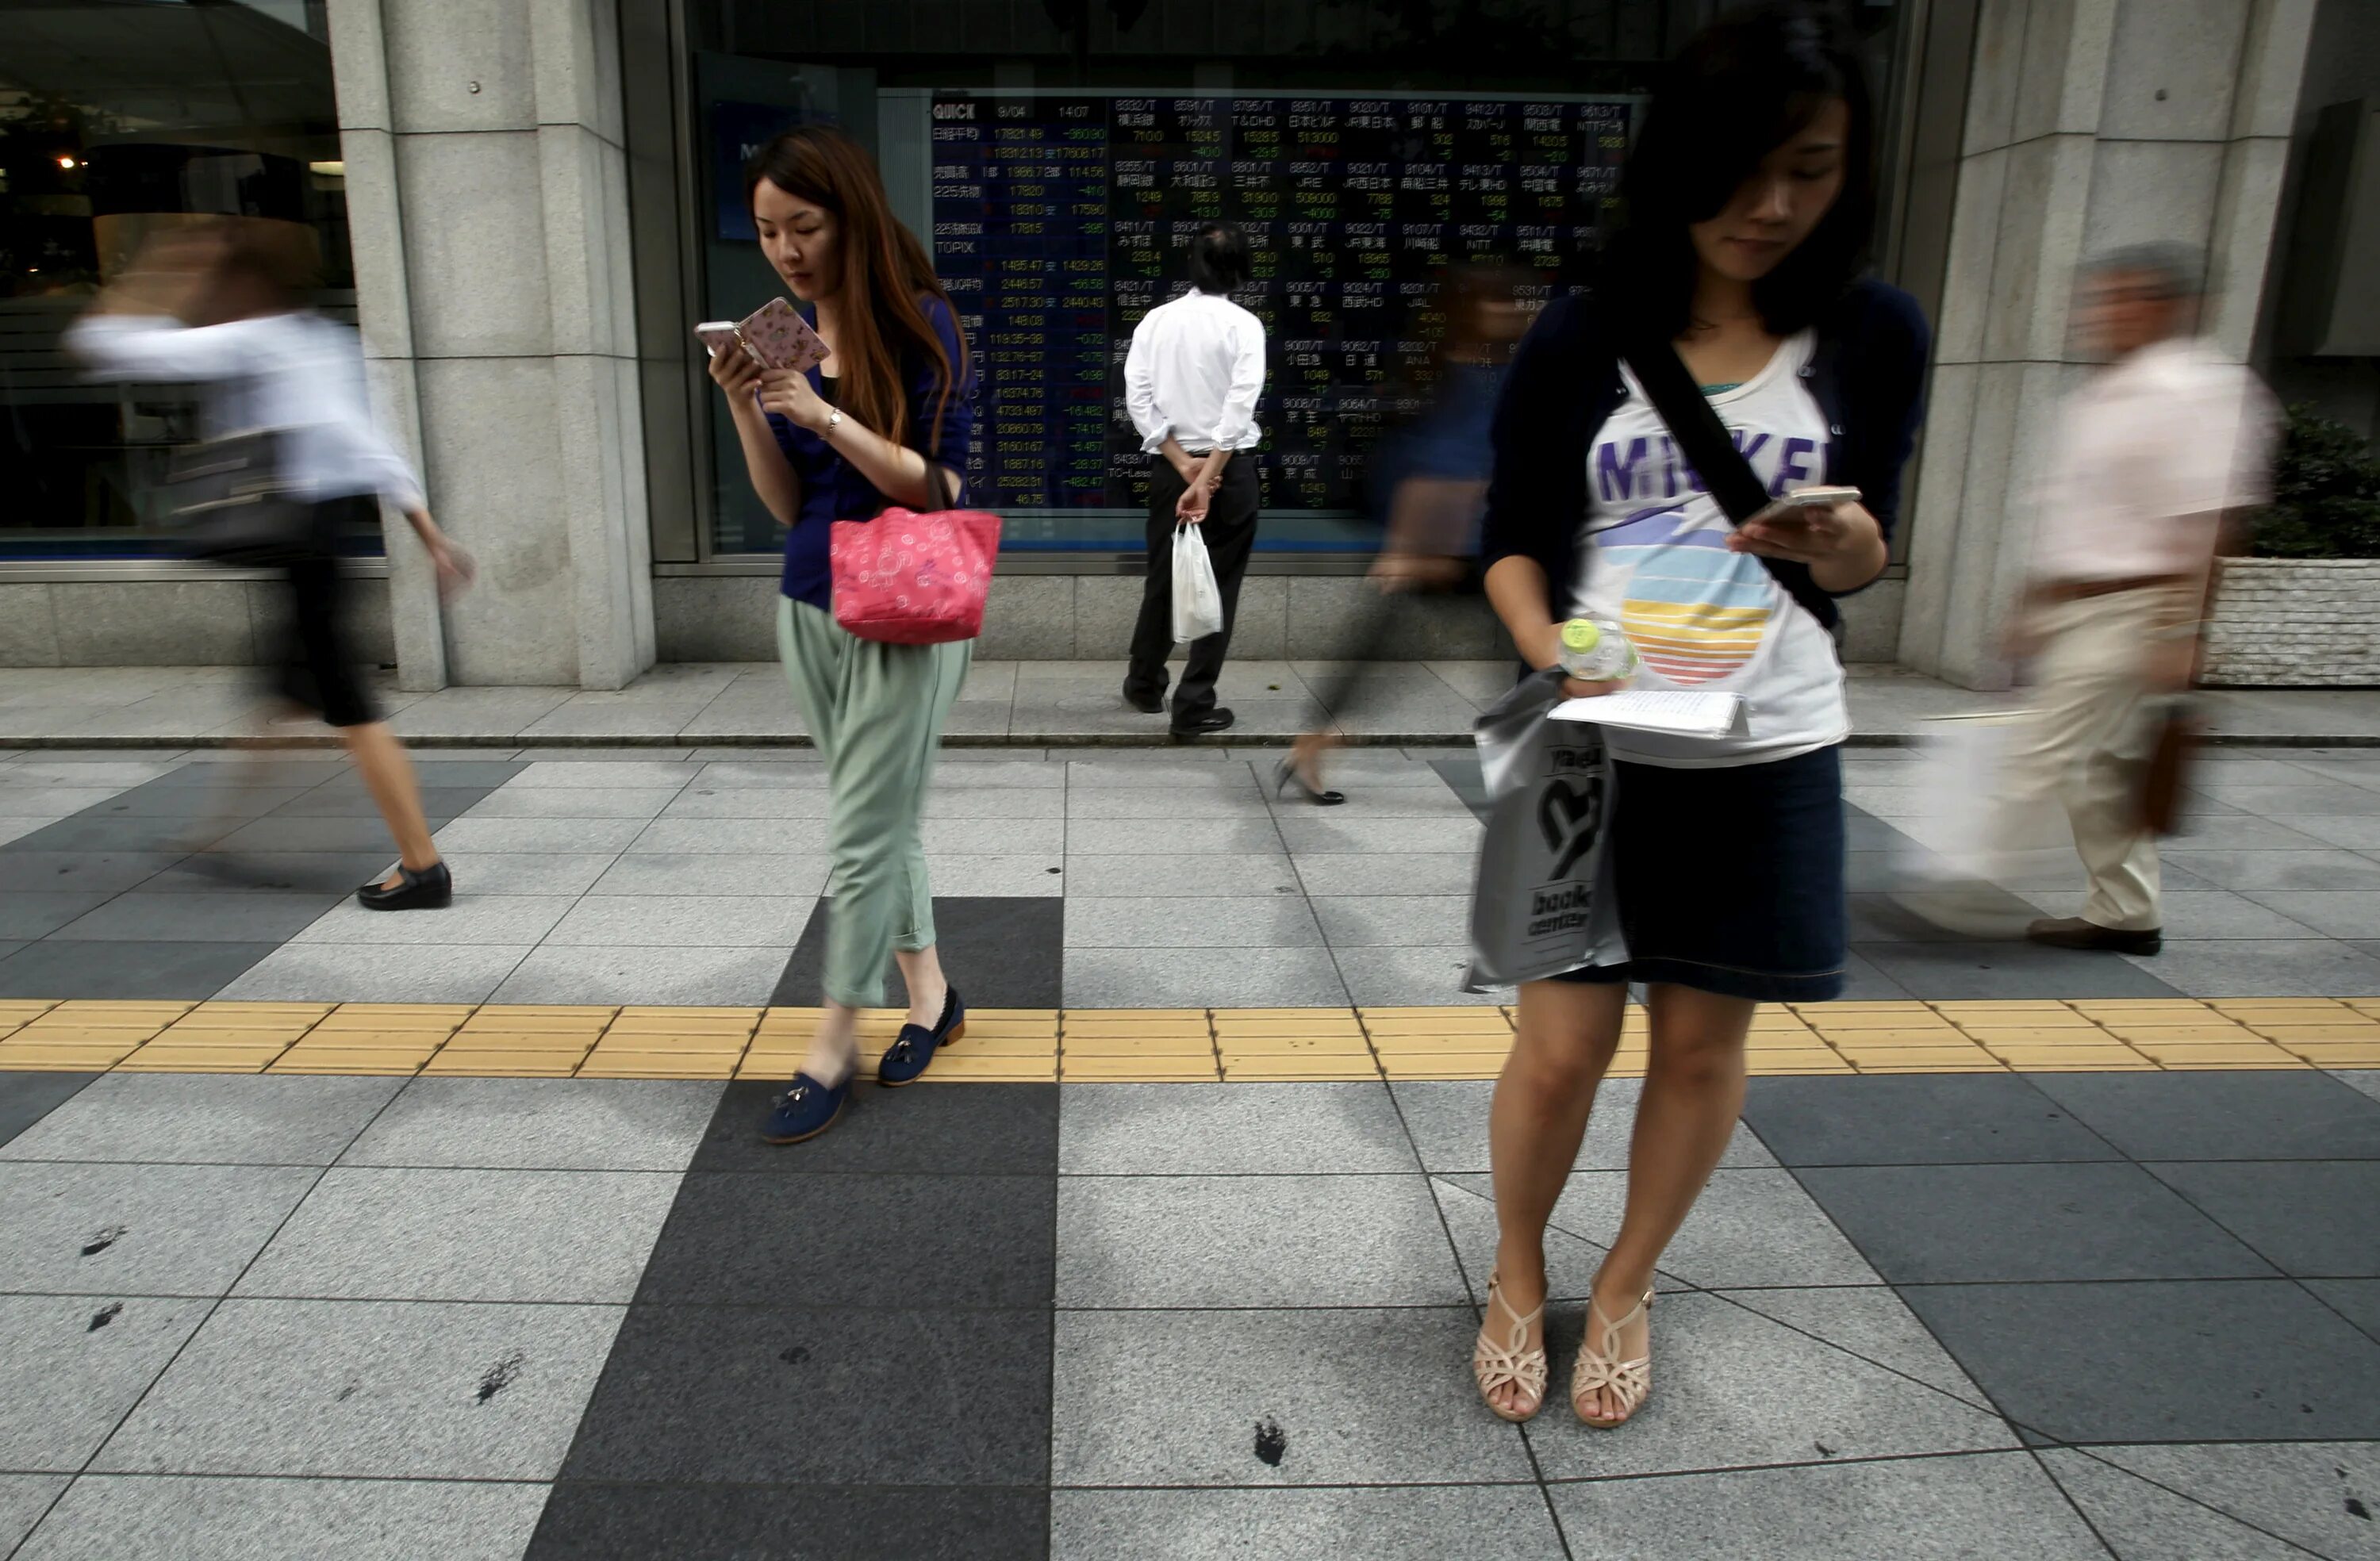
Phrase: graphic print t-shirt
[1700,616]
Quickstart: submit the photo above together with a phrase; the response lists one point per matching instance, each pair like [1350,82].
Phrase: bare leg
[922,970]
[835,1044]
[1568,1032]
[388,775]
[1305,755]
[1693,1093]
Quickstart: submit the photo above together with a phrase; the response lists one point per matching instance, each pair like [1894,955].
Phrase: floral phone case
[781,338]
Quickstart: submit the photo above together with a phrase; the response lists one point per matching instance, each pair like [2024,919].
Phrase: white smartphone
[1787,511]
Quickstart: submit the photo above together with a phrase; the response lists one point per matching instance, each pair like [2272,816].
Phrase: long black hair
[1744,86]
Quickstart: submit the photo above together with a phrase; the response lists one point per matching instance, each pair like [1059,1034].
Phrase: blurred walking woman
[884,420]
[1750,200]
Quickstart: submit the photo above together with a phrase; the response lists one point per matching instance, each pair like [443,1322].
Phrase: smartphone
[775,335]
[1786,510]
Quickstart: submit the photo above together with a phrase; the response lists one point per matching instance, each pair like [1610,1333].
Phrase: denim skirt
[1730,880]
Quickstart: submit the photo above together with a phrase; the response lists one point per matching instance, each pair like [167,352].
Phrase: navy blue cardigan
[1867,376]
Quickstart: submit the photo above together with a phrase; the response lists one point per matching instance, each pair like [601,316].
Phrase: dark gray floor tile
[2318,1495]
[77,872]
[309,834]
[26,1098]
[1915,1118]
[2273,1115]
[1953,1224]
[883,1240]
[795,1399]
[2170,1361]
[983,1129]
[91,833]
[150,972]
[1864,982]
[1879,918]
[2311,1217]
[225,917]
[155,801]
[308,872]
[486,774]
[2356,1299]
[25,914]
[586,1521]
[1958,971]
[354,801]
[1000,952]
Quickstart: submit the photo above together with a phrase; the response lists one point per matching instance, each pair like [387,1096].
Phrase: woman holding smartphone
[884,420]
[1750,197]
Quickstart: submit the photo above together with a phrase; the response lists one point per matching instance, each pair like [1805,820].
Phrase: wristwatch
[833,421]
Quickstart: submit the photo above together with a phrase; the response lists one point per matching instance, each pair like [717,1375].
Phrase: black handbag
[232,502]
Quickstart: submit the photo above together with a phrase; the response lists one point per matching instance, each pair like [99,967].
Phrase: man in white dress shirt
[2155,459]
[1191,384]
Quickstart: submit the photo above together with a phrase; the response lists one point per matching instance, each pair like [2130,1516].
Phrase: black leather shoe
[2073,932]
[430,889]
[1217,718]
[1146,704]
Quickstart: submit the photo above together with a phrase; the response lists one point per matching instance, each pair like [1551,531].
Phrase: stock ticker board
[1059,221]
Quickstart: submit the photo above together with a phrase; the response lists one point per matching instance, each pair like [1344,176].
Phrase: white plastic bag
[1197,601]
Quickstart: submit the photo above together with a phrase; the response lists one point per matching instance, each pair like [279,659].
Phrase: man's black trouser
[1229,531]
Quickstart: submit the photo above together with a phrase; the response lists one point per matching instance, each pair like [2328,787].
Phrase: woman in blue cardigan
[1750,200]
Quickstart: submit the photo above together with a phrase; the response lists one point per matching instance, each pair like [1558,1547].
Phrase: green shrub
[2325,494]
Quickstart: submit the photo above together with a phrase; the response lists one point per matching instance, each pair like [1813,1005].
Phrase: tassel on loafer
[905,1062]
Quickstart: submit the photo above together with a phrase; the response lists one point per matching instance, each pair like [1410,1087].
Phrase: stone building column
[488,200]
[2091,123]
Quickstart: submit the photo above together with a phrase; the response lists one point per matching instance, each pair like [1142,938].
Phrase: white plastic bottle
[1596,650]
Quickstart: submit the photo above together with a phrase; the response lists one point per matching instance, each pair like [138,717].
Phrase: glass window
[118,118]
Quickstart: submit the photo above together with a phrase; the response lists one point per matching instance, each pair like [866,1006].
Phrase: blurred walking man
[2154,457]
[1191,384]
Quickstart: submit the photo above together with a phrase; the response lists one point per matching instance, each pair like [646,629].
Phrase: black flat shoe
[1288,775]
[430,889]
[1146,704]
[1206,722]
[2073,932]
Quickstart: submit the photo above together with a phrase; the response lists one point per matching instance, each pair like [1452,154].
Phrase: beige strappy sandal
[1598,1369]
[1511,1363]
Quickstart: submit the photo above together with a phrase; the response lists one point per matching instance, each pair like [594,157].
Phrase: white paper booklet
[1687,714]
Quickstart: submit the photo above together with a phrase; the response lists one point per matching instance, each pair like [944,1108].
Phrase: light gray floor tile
[951,797]
[1396,1523]
[2365,1079]
[2357,831]
[1012,767]
[1222,978]
[1247,1129]
[537,872]
[758,873]
[2249,871]
[1423,977]
[2267,967]
[732,837]
[202,1117]
[1252,1240]
[716,921]
[688,977]
[1927,1509]
[1166,770]
[72,1366]
[1163,873]
[2316,797]
[2330,913]
[467,837]
[366,1234]
[1470,1213]
[1356,1397]
[1394,921]
[803,795]
[23,1499]
[1873,1323]
[1335,835]
[996,878]
[351,973]
[91,1229]
[474,917]
[2193,914]
[574,801]
[607,774]
[802,770]
[371,1389]
[55,802]
[170,1518]
[2146,1522]
[1749,1228]
[2298,1489]
[1109,802]
[1440,873]
[1732,1388]
[995,836]
[1187,837]
[1275,920]
[565,1124]
[1449,1121]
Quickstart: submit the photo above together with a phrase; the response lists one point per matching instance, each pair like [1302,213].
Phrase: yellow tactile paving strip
[1159,1045]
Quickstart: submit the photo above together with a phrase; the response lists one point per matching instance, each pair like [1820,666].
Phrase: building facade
[526,206]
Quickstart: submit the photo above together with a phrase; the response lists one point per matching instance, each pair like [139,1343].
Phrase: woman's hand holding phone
[789,395]
[1810,525]
[735,372]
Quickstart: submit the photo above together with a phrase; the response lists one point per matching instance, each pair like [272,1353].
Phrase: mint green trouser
[876,713]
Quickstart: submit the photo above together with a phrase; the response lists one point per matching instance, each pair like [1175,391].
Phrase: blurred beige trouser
[2086,746]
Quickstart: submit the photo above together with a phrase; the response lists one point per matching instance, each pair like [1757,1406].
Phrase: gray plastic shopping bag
[1541,902]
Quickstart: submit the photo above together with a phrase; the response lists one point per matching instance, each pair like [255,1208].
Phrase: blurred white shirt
[2149,453]
[1196,369]
[297,371]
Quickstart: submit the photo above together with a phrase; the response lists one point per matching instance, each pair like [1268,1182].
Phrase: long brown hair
[886,277]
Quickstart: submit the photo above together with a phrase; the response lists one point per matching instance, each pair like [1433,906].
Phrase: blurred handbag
[2173,733]
[911,578]
[233,503]
[1541,897]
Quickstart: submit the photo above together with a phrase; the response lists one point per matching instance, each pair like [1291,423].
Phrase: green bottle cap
[1581,635]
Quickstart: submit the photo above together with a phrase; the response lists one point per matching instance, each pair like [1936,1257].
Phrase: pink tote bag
[906,578]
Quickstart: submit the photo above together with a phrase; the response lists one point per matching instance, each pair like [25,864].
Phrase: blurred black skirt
[315,664]
[1731,881]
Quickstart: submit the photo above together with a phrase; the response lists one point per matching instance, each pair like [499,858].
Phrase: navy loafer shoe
[807,1109]
[911,1050]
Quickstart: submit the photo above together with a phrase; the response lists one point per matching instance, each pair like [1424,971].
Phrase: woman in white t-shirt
[1751,199]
